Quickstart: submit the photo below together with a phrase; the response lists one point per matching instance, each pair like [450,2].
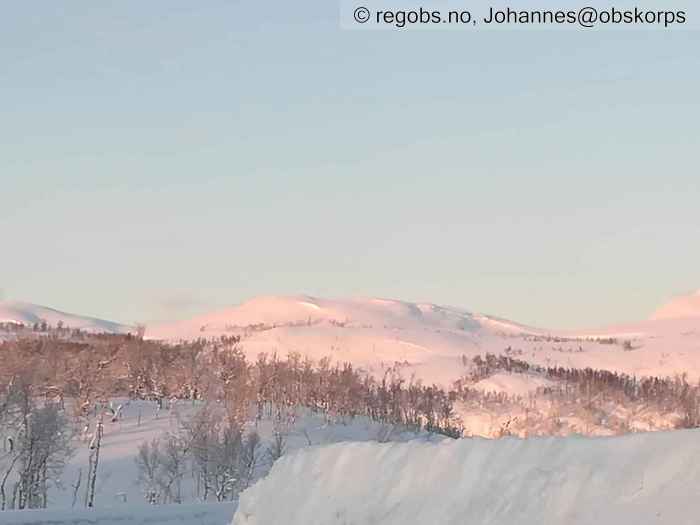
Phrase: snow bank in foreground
[201,514]
[640,479]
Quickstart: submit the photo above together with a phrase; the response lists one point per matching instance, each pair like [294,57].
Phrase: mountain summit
[18,312]
[681,307]
[434,343]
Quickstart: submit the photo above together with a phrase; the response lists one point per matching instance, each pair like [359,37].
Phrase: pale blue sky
[161,158]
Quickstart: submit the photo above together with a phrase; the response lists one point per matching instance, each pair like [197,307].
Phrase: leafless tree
[37,457]
[94,463]
[148,462]
[277,448]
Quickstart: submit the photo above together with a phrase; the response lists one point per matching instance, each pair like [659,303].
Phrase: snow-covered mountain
[433,341]
[303,310]
[429,341]
[28,314]
[682,307]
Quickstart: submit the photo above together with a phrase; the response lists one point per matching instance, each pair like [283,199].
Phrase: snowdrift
[640,479]
[200,514]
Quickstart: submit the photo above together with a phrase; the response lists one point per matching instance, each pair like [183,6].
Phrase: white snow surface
[430,341]
[19,312]
[682,307]
[279,311]
[117,486]
[199,514]
[641,478]
[513,384]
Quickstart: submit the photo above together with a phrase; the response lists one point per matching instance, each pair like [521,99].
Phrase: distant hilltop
[28,314]
[681,307]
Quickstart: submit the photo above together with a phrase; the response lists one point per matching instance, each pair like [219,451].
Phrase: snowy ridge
[641,478]
[28,314]
[297,310]
[683,307]
[430,341]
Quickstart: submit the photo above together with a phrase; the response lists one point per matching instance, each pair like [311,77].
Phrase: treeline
[53,388]
[591,386]
[44,329]
[100,368]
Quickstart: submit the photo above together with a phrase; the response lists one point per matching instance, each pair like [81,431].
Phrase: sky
[161,159]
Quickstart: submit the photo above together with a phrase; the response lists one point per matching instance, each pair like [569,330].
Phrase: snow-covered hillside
[141,422]
[682,307]
[641,479]
[279,311]
[28,314]
[431,341]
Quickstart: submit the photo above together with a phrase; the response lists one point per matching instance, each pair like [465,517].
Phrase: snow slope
[683,307]
[199,514]
[641,479]
[117,486]
[299,310]
[28,314]
[430,341]
[513,384]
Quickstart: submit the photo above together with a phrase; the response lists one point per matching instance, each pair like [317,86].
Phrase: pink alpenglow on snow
[432,342]
[28,314]
[682,307]
[643,479]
